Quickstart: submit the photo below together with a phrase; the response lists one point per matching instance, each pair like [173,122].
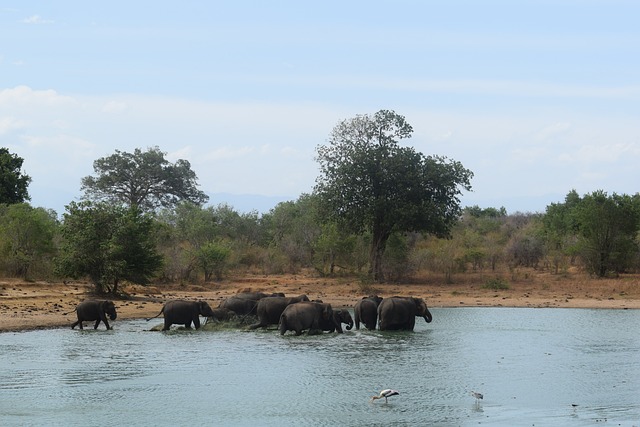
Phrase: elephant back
[240,306]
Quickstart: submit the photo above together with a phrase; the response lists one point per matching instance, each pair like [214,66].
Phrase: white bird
[477,395]
[386,394]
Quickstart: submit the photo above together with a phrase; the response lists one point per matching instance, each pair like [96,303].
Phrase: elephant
[222,314]
[338,317]
[366,311]
[270,308]
[306,316]
[399,313]
[184,313]
[240,306]
[95,310]
[255,296]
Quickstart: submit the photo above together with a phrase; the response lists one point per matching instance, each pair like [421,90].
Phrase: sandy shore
[33,305]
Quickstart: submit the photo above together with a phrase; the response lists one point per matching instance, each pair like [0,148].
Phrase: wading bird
[477,395]
[386,394]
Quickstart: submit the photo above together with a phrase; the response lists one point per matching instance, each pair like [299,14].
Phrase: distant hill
[244,203]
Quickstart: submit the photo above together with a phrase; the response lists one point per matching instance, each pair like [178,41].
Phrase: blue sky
[535,97]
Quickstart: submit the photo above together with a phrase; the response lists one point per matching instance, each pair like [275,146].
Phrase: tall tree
[369,183]
[13,183]
[142,179]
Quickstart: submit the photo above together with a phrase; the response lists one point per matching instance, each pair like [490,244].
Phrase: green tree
[13,183]
[369,183]
[294,227]
[212,257]
[109,244]
[608,226]
[142,179]
[27,238]
[599,229]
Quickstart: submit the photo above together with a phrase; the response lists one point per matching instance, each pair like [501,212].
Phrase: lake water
[531,365]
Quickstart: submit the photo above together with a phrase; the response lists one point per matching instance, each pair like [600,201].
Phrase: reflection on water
[531,365]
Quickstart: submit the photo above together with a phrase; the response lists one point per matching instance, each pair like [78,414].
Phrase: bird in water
[477,395]
[386,394]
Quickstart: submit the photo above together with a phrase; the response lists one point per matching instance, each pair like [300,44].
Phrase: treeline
[596,232]
[379,210]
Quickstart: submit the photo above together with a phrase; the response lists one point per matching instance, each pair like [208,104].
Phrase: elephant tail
[72,311]
[161,311]
[282,325]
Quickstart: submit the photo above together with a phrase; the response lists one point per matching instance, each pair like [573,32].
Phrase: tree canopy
[109,244]
[142,179]
[13,183]
[369,183]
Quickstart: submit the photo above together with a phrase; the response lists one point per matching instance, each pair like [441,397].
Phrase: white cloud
[24,95]
[185,153]
[36,19]
[226,153]
[598,154]
[10,123]
[114,107]
[553,130]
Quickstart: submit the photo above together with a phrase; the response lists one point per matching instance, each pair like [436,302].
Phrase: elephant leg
[95,326]
[167,324]
[196,322]
[75,324]
[412,323]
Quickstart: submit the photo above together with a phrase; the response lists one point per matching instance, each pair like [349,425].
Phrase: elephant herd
[296,314]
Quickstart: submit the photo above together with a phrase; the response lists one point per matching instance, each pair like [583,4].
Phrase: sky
[536,98]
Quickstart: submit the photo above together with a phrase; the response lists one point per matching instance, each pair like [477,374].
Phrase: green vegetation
[108,244]
[496,284]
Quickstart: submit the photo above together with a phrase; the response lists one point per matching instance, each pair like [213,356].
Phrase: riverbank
[32,305]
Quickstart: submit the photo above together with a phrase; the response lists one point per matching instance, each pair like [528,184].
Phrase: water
[530,364]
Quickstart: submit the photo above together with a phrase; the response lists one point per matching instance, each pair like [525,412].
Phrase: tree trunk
[114,290]
[378,246]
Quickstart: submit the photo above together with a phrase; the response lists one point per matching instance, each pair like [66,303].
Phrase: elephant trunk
[427,317]
[350,325]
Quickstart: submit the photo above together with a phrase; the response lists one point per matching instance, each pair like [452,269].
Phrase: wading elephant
[222,314]
[180,312]
[95,310]
[270,308]
[256,295]
[306,316]
[240,306]
[399,313]
[366,311]
[334,323]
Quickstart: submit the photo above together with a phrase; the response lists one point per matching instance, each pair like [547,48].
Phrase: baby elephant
[95,310]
